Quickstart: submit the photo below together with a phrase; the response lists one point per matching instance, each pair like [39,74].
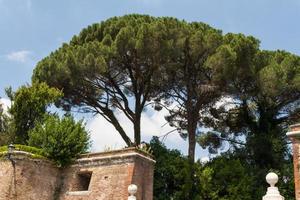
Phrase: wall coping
[117,153]
[116,157]
[16,154]
[293,134]
[294,125]
[78,193]
[98,158]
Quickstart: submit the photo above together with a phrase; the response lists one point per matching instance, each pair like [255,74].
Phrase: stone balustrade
[132,189]
[272,192]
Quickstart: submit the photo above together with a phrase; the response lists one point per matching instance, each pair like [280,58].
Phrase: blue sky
[31,29]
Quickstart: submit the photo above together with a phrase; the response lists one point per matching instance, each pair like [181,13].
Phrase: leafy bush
[61,140]
[3,148]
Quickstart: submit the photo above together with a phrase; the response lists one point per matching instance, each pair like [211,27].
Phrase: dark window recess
[83,181]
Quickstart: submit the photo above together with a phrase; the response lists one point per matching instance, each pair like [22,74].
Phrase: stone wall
[111,174]
[23,178]
[294,136]
[96,176]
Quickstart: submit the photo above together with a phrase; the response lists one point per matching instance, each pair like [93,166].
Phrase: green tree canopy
[2,119]
[228,176]
[112,65]
[169,171]
[189,79]
[265,95]
[4,126]
[29,104]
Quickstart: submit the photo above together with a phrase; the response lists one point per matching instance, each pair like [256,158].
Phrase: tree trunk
[114,121]
[192,144]
[192,120]
[137,129]
[191,129]
[121,131]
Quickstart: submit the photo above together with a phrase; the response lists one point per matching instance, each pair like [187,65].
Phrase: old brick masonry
[96,176]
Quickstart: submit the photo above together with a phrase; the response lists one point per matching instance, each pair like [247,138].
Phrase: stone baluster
[132,189]
[272,192]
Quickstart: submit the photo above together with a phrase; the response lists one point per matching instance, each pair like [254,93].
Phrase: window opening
[83,181]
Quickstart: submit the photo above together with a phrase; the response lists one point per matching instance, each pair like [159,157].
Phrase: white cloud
[228,102]
[104,135]
[6,103]
[19,56]
[204,159]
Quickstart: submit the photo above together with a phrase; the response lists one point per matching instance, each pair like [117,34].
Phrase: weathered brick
[294,136]
[112,172]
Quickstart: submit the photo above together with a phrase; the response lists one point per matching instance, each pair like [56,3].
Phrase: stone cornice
[112,158]
[115,152]
[128,155]
[294,134]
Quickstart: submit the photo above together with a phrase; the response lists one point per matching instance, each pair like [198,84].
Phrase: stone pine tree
[237,76]
[265,99]
[189,84]
[111,66]
[189,79]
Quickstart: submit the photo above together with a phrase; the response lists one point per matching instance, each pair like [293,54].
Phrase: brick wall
[23,178]
[294,136]
[109,174]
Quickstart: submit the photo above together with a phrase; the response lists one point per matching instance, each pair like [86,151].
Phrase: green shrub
[3,148]
[35,152]
[61,140]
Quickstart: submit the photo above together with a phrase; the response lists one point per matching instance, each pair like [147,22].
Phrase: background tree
[2,121]
[264,100]
[111,66]
[4,126]
[237,78]
[29,104]
[229,176]
[169,172]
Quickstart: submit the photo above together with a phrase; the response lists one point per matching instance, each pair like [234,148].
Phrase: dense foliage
[188,77]
[29,104]
[228,177]
[61,140]
[4,126]
[262,100]
[169,171]
[108,66]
